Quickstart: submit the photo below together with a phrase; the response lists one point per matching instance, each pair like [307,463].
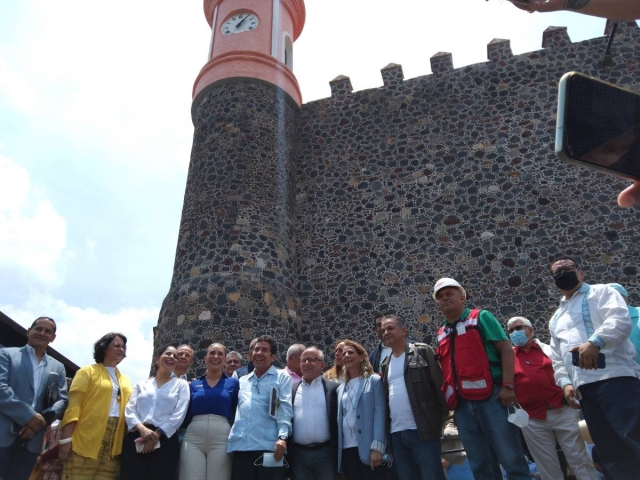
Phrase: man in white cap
[478,367]
[551,418]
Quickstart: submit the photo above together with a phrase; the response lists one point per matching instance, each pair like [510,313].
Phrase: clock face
[241,22]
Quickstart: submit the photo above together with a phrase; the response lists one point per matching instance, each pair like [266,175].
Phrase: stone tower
[234,272]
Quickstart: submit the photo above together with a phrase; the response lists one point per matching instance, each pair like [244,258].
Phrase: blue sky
[95,136]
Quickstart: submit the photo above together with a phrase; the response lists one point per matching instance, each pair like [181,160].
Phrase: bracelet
[64,441]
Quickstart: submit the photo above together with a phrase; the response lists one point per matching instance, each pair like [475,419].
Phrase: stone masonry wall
[454,174]
[234,273]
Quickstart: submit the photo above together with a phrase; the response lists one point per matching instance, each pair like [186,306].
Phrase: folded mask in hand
[519,417]
[269,461]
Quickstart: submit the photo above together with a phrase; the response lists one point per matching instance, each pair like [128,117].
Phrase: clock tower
[234,271]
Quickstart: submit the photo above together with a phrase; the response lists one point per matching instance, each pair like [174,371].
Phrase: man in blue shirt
[258,438]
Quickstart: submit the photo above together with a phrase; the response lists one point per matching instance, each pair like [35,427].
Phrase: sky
[95,136]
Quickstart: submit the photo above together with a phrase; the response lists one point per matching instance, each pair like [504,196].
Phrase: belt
[312,446]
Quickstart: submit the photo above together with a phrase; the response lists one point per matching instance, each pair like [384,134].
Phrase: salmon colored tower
[235,272]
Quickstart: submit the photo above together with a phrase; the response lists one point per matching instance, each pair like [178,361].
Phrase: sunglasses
[518,328]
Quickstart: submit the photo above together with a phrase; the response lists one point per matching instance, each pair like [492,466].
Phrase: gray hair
[524,321]
[295,349]
[233,353]
[399,322]
[316,349]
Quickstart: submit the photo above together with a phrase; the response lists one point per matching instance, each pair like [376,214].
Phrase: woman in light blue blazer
[362,413]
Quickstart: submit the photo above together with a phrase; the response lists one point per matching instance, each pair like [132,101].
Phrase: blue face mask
[519,338]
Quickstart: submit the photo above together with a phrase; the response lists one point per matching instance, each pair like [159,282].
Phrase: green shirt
[490,331]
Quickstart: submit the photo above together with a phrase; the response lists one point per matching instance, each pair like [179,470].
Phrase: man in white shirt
[185,360]
[33,393]
[417,408]
[594,363]
[314,445]
[293,362]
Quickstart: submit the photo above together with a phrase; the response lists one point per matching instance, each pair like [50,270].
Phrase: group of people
[365,414]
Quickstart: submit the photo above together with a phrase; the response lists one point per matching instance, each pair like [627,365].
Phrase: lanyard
[586,313]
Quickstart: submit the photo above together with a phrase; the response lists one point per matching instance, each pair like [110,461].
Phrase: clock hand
[242,21]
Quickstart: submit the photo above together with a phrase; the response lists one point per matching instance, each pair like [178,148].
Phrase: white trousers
[203,453]
[561,425]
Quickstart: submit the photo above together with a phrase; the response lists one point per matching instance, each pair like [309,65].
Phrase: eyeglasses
[309,360]
[517,327]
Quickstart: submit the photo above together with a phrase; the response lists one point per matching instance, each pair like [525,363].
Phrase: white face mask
[519,417]
[269,461]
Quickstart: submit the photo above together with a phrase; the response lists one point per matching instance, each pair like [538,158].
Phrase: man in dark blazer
[33,393]
[314,446]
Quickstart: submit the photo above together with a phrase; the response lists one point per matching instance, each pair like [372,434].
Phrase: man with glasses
[550,417]
[314,447]
[594,363]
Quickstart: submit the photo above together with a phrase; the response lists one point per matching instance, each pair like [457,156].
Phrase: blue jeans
[317,464]
[610,408]
[416,459]
[489,438]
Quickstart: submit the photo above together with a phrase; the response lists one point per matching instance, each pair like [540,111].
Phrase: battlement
[556,47]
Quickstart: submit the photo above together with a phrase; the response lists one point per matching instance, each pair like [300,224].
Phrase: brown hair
[365,366]
[335,372]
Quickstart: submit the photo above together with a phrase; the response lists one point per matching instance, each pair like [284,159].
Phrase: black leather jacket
[423,379]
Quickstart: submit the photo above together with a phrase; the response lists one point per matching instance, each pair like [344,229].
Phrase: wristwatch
[509,385]
[283,438]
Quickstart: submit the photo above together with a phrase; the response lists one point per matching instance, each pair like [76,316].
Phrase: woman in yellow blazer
[94,424]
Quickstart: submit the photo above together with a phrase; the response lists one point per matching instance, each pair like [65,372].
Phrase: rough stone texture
[441,62]
[449,174]
[392,75]
[234,274]
[499,49]
[454,174]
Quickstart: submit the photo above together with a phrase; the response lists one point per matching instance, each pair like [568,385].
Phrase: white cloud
[16,90]
[79,328]
[33,233]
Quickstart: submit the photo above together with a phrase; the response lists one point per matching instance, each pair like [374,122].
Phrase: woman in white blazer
[362,413]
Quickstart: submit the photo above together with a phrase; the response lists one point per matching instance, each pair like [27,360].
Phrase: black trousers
[16,461]
[244,467]
[354,469]
[157,465]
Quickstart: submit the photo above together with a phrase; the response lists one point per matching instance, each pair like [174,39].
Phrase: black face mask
[566,280]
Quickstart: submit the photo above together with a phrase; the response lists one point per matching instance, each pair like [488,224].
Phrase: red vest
[464,361]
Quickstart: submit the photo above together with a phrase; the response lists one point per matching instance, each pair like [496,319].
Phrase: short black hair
[571,259]
[270,340]
[45,318]
[398,321]
[100,347]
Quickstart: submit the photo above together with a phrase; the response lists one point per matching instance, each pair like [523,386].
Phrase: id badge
[460,329]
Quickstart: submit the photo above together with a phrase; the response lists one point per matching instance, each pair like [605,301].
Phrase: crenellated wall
[454,174]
